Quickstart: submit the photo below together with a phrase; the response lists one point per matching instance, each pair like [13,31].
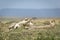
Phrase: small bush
[46,23]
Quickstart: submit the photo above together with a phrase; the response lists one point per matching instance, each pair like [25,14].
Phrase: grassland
[24,34]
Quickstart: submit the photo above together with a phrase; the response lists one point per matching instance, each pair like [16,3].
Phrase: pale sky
[30,4]
[22,8]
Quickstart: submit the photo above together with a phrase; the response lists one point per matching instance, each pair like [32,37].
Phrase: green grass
[24,34]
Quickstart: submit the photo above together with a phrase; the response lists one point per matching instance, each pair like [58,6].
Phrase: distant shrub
[34,18]
[46,23]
